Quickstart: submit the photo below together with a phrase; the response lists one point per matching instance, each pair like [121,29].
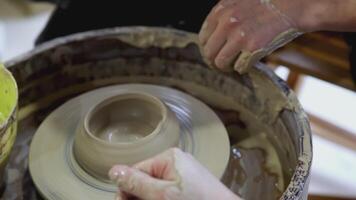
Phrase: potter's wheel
[56,173]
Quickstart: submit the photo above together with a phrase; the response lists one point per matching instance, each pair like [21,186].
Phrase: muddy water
[254,168]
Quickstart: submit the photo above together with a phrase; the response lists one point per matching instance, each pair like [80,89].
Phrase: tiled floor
[334,167]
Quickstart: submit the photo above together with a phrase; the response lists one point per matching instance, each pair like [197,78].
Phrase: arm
[330,15]
[172,175]
[239,32]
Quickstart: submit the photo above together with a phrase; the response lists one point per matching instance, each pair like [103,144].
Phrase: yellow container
[8,115]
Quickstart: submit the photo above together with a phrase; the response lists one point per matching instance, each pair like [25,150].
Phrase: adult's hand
[237,33]
[172,175]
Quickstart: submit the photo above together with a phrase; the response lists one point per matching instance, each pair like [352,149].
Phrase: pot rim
[130,95]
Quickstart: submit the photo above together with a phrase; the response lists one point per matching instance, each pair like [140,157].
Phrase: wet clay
[125,120]
[125,131]
[90,159]
[124,128]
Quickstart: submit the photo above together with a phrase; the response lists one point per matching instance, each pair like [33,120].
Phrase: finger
[219,38]
[210,23]
[137,183]
[229,53]
[160,166]
[215,43]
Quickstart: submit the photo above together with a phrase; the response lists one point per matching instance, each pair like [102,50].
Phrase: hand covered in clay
[172,175]
[238,33]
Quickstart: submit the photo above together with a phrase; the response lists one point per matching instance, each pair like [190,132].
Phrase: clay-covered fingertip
[222,64]
[241,70]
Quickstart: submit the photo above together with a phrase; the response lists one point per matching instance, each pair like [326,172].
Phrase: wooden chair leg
[293,80]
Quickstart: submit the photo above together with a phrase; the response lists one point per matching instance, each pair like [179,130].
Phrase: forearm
[329,15]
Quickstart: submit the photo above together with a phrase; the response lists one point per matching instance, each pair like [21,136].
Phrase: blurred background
[315,65]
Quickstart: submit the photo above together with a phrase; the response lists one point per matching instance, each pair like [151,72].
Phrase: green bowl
[8,115]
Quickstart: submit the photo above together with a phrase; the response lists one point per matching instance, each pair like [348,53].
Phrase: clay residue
[247,59]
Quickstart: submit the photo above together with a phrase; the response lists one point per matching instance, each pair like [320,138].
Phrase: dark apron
[73,16]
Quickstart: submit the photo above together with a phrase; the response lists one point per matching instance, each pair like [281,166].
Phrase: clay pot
[8,111]
[124,129]
[61,69]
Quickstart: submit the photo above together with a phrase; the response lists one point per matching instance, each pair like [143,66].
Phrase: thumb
[137,183]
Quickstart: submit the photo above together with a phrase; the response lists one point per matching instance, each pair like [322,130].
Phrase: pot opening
[125,118]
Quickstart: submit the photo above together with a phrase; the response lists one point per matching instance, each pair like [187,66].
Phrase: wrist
[304,15]
[314,15]
[328,15]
